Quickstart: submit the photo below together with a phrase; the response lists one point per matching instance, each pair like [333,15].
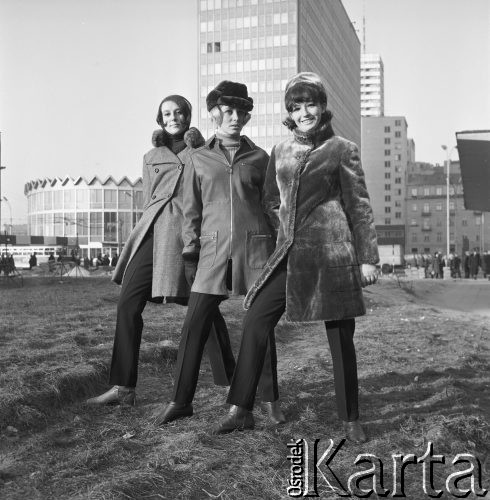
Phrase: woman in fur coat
[315,197]
[151,267]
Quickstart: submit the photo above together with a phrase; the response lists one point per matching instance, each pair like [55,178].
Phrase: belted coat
[316,198]
[162,214]
[223,216]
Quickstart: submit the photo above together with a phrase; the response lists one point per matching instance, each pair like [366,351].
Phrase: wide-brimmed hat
[231,94]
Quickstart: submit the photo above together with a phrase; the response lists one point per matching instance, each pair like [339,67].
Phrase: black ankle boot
[173,411]
[238,419]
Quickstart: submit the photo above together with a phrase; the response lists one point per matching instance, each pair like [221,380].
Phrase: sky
[81,80]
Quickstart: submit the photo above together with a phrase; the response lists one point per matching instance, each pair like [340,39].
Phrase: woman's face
[174,121]
[307,115]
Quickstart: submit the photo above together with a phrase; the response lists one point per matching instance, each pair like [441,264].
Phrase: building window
[387,129]
[477,220]
[398,203]
[398,180]
[427,238]
[217,46]
[426,208]
[387,140]
[398,134]
[387,175]
[451,205]
[414,191]
[413,222]
[110,198]
[387,210]
[387,198]
[414,237]
[464,222]
[439,191]
[426,191]
[388,163]
[398,215]
[439,237]
[387,152]
[414,207]
[398,123]
[399,192]
[438,207]
[210,47]
[387,187]
[95,198]
[398,157]
[387,222]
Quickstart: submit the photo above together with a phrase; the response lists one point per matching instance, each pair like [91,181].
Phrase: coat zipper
[230,172]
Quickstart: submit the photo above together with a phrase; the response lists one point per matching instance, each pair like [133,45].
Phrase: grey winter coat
[317,199]
[162,213]
[223,217]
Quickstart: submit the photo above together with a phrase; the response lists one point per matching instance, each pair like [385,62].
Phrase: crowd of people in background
[466,266]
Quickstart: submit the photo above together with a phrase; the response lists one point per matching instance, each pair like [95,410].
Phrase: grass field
[424,377]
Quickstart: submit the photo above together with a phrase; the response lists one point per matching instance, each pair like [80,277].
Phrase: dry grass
[423,375]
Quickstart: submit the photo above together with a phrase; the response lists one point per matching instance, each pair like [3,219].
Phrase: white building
[372,85]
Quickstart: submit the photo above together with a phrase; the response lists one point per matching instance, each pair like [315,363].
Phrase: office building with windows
[95,215]
[262,43]
[386,153]
[372,85]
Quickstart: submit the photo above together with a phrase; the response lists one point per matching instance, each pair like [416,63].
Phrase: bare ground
[423,373]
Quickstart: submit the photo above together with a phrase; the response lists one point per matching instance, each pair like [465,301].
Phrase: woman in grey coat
[315,196]
[151,267]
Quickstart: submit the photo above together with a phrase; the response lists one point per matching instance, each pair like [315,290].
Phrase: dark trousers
[195,331]
[135,292]
[258,327]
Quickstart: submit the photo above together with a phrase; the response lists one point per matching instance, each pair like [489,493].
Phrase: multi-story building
[372,85]
[386,152]
[262,43]
[426,229]
[95,215]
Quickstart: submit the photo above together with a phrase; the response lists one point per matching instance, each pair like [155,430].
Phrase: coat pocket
[258,249]
[207,255]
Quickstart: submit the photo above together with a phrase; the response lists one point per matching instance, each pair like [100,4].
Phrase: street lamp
[448,163]
[10,210]
[1,168]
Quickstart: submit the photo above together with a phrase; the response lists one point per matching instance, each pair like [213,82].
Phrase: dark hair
[325,118]
[182,103]
[304,92]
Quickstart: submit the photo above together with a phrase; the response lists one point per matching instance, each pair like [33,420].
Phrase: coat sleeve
[192,208]
[357,207]
[271,199]
[146,185]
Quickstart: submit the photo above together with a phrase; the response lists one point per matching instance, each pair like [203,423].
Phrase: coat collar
[213,142]
[163,154]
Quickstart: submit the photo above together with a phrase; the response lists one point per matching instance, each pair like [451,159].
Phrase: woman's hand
[369,274]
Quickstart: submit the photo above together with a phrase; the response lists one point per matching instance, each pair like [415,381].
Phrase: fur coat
[316,199]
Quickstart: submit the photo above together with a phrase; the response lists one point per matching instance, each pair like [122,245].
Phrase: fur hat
[303,83]
[230,94]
